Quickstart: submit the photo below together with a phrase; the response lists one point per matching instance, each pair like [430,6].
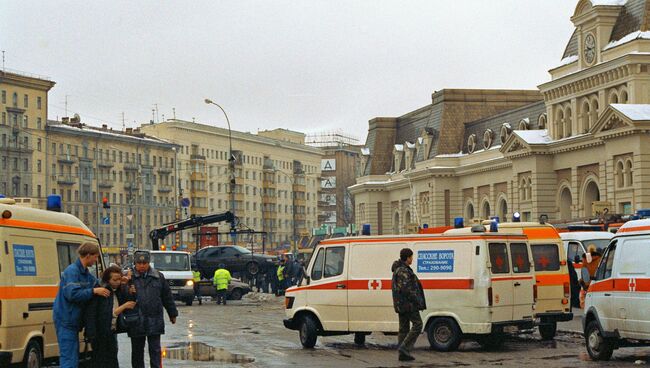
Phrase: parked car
[235,258]
[236,290]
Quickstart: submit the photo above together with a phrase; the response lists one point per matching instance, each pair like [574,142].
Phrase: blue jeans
[68,347]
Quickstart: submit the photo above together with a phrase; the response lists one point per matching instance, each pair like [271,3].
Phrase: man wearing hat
[152,293]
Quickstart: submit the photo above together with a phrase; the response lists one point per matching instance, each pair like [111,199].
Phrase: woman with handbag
[102,320]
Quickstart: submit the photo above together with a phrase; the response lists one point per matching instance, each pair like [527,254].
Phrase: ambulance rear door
[523,281]
[327,292]
[633,274]
[512,281]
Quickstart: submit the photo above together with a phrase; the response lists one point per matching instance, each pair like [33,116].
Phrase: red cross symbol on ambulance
[374,284]
[632,285]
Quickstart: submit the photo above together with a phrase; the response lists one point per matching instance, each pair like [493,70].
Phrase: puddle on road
[198,351]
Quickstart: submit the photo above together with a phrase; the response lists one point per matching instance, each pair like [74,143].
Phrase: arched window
[471,143]
[620,180]
[523,124]
[585,116]
[506,129]
[567,121]
[469,211]
[488,138]
[628,173]
[523,192]
[529,188]
[14,99]
[613,97]
[559,123]
[541,121]
[486,210]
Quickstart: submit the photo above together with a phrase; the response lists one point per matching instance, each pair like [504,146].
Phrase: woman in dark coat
[101,320]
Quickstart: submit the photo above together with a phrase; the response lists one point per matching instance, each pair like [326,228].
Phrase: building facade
[277,179]
[570,150]
[23,107]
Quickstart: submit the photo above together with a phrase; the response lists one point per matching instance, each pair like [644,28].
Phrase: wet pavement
[250,333]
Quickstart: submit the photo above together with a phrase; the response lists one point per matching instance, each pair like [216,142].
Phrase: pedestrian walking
[77,286]
[408,301]
[101,319]
[280,276]
[152,294]
[273,279]
[221,281]
[196,277]
[574,286]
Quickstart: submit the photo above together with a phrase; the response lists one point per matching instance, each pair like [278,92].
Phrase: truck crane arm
[193,222]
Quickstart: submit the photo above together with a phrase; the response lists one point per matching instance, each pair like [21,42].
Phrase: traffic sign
[185,202]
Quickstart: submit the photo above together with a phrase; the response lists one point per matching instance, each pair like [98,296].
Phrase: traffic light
[105,203]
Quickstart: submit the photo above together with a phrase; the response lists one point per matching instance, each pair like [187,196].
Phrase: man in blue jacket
[76,289]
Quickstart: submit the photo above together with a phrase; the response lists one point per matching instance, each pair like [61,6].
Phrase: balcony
[268,184]
[299,188]
[270,214]
[199,210]
[164,170]
[164,189]
[131,186]
[239,196]
[299,202]
[195,157]
[202,193]
[268,199]
[197,176]
[105,184]
[104,164]
[66,180]
[66,159]
[300,216]
[131,166]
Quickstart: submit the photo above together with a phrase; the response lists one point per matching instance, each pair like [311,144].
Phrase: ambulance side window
[334,261]
[499,258]
[519,255]
[317,268]
[575,250]
[67,253]
[606,264]
[546,257]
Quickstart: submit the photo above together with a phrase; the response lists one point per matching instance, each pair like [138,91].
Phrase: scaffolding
[335,138]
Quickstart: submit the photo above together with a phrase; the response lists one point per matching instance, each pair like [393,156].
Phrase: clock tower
[594,21]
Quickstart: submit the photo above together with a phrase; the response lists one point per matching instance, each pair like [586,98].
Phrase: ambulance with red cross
[478,285]
[617,305]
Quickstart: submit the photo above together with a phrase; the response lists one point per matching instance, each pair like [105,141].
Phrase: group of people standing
[133,303]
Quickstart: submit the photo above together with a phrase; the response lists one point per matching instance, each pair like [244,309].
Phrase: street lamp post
[231,161]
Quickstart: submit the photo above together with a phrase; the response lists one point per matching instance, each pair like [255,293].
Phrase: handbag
[128,320]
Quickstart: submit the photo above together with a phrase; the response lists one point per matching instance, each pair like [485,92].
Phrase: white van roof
[33,218]
[586,235]
[634,227]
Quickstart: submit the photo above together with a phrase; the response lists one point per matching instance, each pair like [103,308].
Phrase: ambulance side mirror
[308,279]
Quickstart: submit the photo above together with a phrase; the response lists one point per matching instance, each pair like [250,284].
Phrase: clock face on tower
[589,49]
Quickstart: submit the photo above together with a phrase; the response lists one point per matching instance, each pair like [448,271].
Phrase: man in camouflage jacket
[408,300]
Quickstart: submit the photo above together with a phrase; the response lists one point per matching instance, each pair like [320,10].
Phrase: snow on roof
[108,133]
[568,60]
[420,140]
[410,145]
[586,235]
[459,154]
[630,37]
[399,147]
[634,112]
[534,136]
[365,151]
[608,2]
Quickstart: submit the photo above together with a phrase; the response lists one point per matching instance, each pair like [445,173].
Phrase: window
[4,97]
[607,263]
[38,144]
[519,258]
[4,118]
[499,258]
[25,101]
[38,103]
[546,257]
[334,261]
[575,252]
[67,253]
[317,267]
[14,99]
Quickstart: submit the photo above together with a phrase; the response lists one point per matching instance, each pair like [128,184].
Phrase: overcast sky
[309,66]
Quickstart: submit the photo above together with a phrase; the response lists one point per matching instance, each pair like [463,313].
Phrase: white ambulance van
[576,244]
[477,285]
[551,274]
[617,305]
[35,247]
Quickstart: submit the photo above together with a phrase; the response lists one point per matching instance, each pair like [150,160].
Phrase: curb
[571,332]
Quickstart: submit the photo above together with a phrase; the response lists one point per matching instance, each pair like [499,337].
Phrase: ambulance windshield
[170,261]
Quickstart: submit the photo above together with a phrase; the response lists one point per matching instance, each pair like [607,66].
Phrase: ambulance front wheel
[598,347]
[308,332]
[444,334]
